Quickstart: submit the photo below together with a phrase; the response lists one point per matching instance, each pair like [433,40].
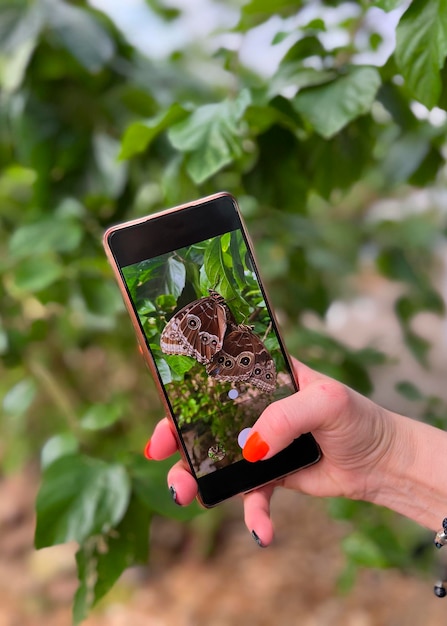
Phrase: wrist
[410,479]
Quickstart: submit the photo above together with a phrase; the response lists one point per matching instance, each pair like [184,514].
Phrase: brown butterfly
[243,357]
[198,329]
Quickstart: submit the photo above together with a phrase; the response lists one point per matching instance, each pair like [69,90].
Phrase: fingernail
[147,453]
[257,539]
[173,494]
[255,448]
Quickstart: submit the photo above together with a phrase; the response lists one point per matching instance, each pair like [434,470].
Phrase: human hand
[356,437]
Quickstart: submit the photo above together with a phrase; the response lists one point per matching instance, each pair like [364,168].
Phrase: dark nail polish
[257,539]
[173,493]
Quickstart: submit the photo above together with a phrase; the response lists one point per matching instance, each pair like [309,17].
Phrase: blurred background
[327,121]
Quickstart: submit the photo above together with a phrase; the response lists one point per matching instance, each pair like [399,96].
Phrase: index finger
[163,442]
[257,514]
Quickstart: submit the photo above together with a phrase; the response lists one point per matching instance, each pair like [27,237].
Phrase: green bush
[92,132]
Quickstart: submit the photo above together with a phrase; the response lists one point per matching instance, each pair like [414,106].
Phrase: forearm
[413,480]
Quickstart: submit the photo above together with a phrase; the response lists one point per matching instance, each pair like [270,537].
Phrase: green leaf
[330,107]
[155,276]
[417,345]
[146,307]
[261,118]
[102,560]
[79,497]
[421,48]
[12,14]
[404,157]
[283,182]
[225,241]
[18,23]
[362,550]
[164,370]
[100,296]
[393,263]
[280,37]
[258,11]
[387,5]
[347,578]
[211,136]
[343,508]
[238,267]
[179,365]
[167,302]
[165,12]
[213,263]
[175,277]
[20,397]
[304,48]
[218,270]
[86,571]
[269,7]
[140,135]
[149,484]
[396,103]
[426,300]
[415,233]
[112,173]
[295,75]
[100,416]
[57,447]
[409,391]
[427,170]
[19,34]
[127,545]
[3,340]
[35,274]
[339,162]
[80,33]
[49,234]
[406,308]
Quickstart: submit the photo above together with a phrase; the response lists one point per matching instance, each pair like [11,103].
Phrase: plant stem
[55,392]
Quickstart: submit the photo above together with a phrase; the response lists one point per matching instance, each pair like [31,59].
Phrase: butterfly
[243,357]
[198,329]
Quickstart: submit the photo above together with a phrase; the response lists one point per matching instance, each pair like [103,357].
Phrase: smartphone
[206,329]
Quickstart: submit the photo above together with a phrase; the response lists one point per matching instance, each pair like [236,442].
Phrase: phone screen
[194,288]
[207,325]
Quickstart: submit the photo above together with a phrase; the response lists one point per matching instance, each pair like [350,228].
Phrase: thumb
[314,407]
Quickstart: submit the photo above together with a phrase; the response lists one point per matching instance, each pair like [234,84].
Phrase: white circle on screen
[243,436]
[233,394]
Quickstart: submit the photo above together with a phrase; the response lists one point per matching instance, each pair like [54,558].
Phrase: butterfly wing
[197,330]
[244,357]
[263,375]
[235,361]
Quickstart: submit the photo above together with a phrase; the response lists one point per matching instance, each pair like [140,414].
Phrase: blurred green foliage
[93,132]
